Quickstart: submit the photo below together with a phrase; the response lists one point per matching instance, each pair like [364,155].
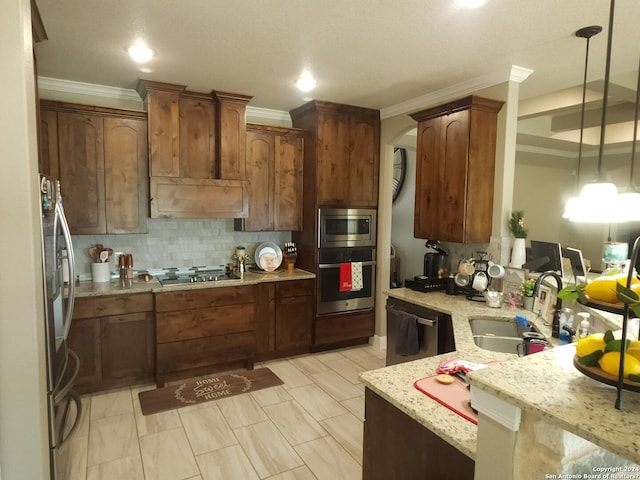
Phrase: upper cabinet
[455,165]
[100,157]
[343,153]
[274,158]
[196,152]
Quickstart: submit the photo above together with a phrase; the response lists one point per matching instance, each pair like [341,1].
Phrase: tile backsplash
[176,243]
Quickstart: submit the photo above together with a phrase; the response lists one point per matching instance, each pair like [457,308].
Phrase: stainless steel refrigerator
[63,403]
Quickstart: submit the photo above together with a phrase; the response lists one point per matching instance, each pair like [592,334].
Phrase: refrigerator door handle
[60,218]
[76,398]
[68,386]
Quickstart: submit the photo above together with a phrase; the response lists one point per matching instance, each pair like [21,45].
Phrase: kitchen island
[551,396]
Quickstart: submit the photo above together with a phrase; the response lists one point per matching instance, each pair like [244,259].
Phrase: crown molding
[81,88]
[268,114]
[468,87]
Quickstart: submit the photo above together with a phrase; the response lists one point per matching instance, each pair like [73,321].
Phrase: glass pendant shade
[629,206]
[597,203]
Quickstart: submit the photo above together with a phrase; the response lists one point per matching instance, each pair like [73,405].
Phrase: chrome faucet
[555,323]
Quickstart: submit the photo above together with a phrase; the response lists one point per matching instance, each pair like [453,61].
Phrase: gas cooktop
[176,276]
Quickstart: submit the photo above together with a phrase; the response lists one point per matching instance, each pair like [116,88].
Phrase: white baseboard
[379,342]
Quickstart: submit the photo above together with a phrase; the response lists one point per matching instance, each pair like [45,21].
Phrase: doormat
[206,389]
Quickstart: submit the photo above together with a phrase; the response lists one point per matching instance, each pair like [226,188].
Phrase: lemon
[590,344]
[603,288]
[634,352]
[610,363]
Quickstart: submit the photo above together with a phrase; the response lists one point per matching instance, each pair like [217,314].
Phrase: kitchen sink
[498,344]
[498,334]
[498,326]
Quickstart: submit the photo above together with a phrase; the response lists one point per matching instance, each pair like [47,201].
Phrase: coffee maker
[435,269]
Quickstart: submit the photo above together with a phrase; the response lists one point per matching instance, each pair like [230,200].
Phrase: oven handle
[336,265]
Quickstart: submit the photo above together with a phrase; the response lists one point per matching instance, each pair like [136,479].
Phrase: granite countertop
[576,403]
[116,286]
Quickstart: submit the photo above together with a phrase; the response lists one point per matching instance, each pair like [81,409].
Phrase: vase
[527,303]
[518,253]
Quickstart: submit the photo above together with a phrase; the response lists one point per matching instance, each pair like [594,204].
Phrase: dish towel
[407,333]
[345,277]
[356,276]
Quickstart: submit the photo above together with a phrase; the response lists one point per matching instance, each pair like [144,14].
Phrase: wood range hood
[196,152]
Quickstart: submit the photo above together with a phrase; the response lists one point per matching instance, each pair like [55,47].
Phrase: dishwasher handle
[426,322]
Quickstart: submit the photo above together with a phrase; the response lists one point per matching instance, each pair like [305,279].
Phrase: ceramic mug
[480,282]
[461,280]
[466,267]
[495,270]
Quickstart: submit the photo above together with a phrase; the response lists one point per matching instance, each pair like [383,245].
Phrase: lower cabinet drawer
[204,322]
[191,354]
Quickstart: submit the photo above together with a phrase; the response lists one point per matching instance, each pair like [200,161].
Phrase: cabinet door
[197,137]
[454,145]
[260,176]
[364,141]
[126,178]
[332,159]
[293,322]
[48,162]
[231,135]
[84,340]
[164,133]
[441,177]
[287,203]
[127,346]
[82,171]
[428,174]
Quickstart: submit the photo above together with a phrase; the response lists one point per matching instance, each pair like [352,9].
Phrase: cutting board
[455,396]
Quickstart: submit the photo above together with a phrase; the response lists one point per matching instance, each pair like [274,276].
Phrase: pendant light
[598,200]
[572,207]
[629,201]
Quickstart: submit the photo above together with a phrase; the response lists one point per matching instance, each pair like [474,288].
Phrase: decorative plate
[268,256]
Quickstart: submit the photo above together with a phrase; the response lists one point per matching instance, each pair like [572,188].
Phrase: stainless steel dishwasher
[427,330]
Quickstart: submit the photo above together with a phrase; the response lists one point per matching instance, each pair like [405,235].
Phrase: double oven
[346,243]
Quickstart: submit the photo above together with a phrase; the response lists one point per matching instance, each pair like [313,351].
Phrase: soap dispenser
[584,327]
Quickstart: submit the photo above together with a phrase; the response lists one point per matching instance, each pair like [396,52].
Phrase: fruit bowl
[597,373]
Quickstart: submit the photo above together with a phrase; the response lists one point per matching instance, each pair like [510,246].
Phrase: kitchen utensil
[493,299]
[461,280]
[466,267]
[480,281]
[495,270]
[104,256]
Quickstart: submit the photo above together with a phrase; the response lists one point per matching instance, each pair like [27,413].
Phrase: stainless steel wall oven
[346,260]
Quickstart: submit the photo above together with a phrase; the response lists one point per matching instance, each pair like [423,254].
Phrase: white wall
[23,428]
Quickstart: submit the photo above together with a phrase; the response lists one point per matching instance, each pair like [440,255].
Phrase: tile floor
[308,428]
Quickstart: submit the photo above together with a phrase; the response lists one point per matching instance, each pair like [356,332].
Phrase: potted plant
[526,289]
[516,227]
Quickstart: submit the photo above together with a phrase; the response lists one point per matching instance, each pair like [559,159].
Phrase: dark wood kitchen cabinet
[397,446]
[100,157]
[284,318]
[196,152]
[274,176]
[204,330]
[343,153]
[113,337]
[455,166]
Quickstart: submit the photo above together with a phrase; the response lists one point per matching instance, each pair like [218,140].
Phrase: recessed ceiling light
[306,82]
[140,53]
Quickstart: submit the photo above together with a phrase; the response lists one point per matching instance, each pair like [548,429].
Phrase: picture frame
[513,278]
[543,301]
